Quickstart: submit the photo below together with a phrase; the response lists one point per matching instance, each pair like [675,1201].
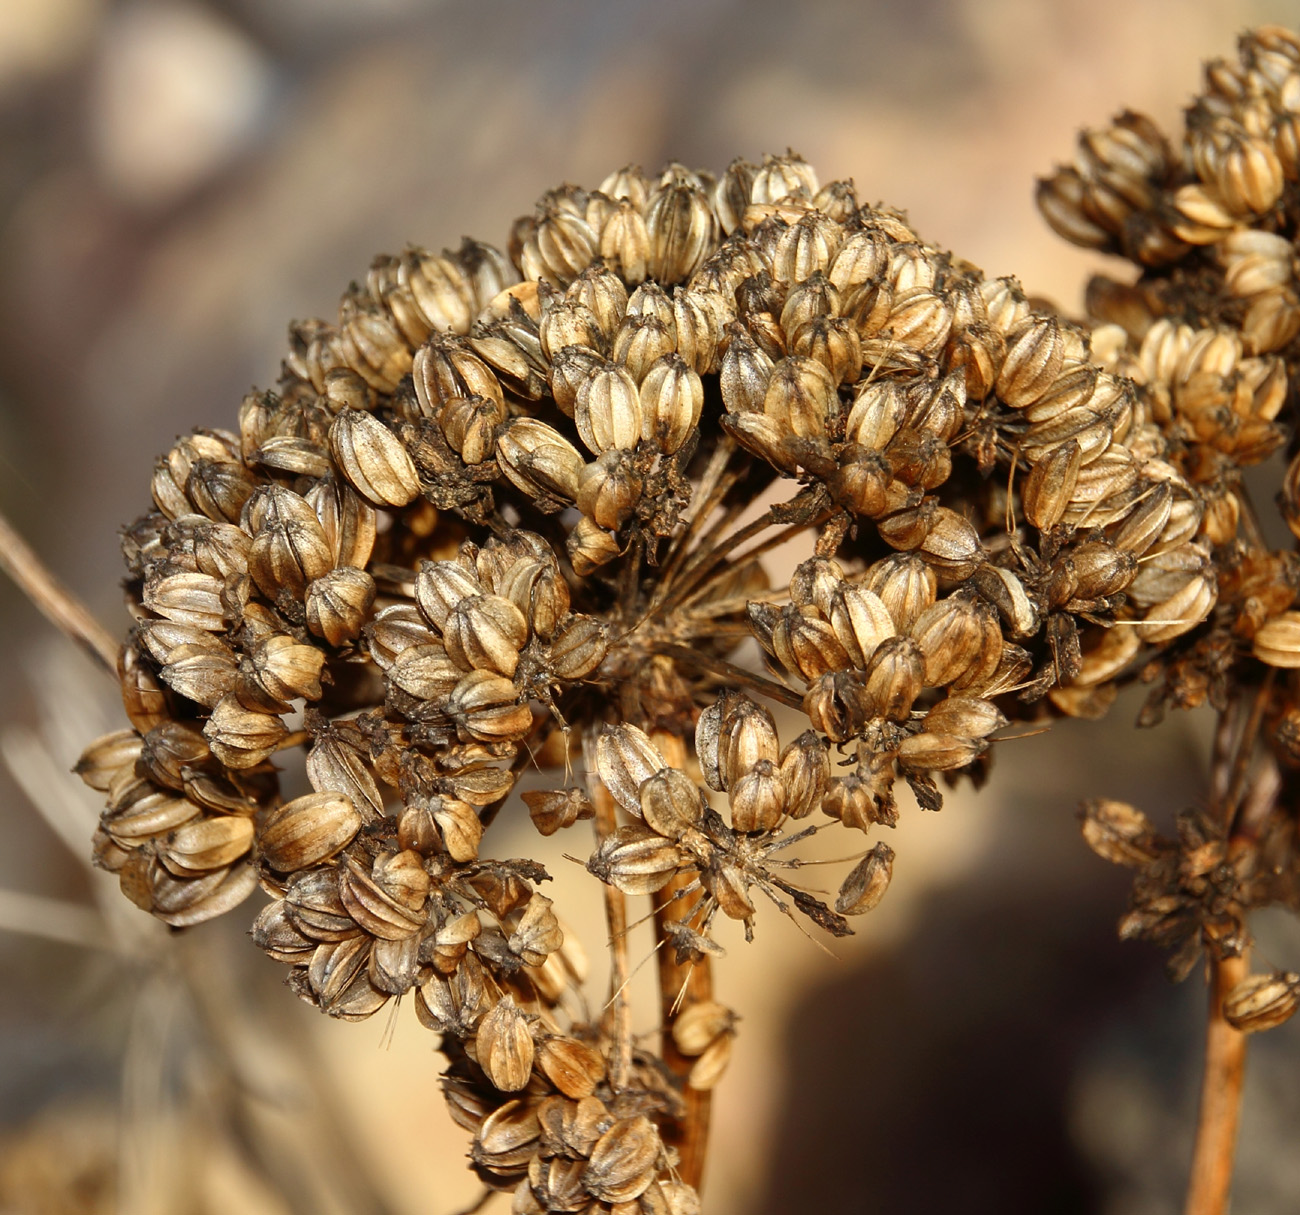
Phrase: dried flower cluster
[512,510]
[1209,332]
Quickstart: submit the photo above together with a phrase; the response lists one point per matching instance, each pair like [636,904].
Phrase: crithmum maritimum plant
[515,509]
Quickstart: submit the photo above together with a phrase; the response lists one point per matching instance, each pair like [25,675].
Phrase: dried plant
[512,511]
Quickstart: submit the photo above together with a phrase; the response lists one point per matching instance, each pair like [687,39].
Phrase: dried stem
[729,670]
[619,1012]
[52,599]
[680,987]
[1216,1129]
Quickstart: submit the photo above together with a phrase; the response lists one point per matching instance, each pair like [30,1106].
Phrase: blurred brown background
[178,180]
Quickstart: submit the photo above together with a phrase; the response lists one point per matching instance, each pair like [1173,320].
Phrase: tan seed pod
[906,586]
[241,738]
[952,638]
[440,586]
[145,815]
[486,708]
[625,244]
[860,620]
[865,886]
[574,1067]
[624,1160]
[386,899]
[1277,642]
[636,860]
[554,809]
[308,830]
[697,1026]
[608,410]
[801,397]
[1101,569]
[1005,590]
[1050,484]
[757,798]
[335,767]
[805,772]
[952,545]
[671,803]
[745,372]
[507,1139]
[505,1047]
[485,632]
[625,759]
[537,458]
[373,459]
[698,317]
[590,546]
[672,398]
[933,752]
[458,824]
[641,341]
[283,670]
[863,481]
[681,229]
[568,322]
[188,598]
[746,736]
[201,673]
[1035,353]
[578,647]
[289,547]
[708,1069]
[1181,612]
[1119,833]
[144,699]
[425,672]
[894,678]
[609,489]
[965,717]
[338,604]
[807,645]
[1262,1001]
[108,756]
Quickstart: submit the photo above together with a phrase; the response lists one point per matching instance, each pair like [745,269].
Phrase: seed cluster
[1208,331]
[511,510]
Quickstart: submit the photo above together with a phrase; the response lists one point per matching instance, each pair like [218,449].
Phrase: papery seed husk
[1119,833]
[625,760]
[308,830]
[623,1161]
[1262,1001]
[865,886]
[670,803]
[1277,642]
[505,1047]
[574,1067]
[636,860]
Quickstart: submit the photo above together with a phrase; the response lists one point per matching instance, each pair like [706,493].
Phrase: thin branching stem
[619,1011]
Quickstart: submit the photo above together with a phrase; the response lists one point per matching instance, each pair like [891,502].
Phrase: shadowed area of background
[177,181]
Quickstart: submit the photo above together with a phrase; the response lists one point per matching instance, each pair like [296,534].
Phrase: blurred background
[177,181]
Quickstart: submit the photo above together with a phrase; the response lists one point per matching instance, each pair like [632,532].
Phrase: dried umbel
[516,507]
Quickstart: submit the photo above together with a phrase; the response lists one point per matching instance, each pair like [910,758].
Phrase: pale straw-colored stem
[52,599]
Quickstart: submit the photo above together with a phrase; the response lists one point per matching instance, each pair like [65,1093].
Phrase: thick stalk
[1216,1129]
[680,987]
